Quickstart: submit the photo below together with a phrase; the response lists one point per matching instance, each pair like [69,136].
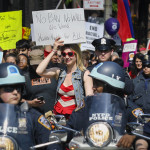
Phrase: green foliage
[114,6]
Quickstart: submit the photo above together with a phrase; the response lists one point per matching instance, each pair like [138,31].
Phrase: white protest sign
[93,4]
[68,24]
[1,57]
[32,32]
[129,47]
[93,31]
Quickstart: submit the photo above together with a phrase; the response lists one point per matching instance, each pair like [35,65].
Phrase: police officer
[104,49]
[30,127]
[108,77]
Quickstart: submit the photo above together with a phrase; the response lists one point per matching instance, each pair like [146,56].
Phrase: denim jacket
[77,84]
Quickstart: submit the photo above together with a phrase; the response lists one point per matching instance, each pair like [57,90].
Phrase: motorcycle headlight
[7,143]
[99,134]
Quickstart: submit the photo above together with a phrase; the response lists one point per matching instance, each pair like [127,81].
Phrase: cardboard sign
[93,31]
[10,29]
[68,24]
[129,50]
[26,33]
[93,4]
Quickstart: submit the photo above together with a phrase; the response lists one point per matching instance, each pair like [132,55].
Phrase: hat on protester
[103,44]
[10,74]
[36,56]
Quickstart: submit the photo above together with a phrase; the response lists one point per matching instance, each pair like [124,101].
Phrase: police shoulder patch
[81,105]
[137,111]
[43,121]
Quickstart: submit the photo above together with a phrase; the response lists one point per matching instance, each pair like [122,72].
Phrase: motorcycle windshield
[13,127]
[108,108]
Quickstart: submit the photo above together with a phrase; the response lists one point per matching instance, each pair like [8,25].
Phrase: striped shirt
[66,103]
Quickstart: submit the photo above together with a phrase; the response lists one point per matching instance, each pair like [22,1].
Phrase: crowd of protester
[60,75]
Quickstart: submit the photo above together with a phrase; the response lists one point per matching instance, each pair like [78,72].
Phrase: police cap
[103,44]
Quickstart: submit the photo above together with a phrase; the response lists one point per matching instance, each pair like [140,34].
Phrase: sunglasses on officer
[11,88]
[70,54]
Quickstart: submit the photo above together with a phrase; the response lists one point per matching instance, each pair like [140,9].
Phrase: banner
[129,50]
[68,24]
[93,31]
[10,29]
[93,4]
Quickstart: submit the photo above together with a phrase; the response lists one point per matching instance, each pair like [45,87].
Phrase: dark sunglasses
[70,54]
[11,88]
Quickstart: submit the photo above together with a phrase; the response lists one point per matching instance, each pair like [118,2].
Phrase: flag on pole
[124,18]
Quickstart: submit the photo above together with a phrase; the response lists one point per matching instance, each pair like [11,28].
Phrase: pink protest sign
[129,50]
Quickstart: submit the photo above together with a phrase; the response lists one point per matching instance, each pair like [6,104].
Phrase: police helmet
[103,44]
[110,73]
[10,74]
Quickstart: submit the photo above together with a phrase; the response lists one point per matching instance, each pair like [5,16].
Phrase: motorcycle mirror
[143,118]
[69,129]
[60,134]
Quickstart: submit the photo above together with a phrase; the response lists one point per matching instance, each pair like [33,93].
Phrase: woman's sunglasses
[11,88]
[70,54]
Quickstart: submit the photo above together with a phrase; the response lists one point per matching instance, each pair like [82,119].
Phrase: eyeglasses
[70,54]
[11,88]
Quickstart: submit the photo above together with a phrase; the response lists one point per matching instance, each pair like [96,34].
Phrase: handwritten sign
[10,29]
[26,33]
[129,50]
[93,31]
[129,47]
[69,24]
[93,4]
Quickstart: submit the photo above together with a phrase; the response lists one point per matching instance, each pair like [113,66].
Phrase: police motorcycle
[104,124]
[14,133]
[13,126]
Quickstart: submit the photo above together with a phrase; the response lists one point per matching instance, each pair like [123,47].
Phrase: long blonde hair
[76,49]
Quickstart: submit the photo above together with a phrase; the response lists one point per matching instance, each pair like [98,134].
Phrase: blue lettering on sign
[13,70]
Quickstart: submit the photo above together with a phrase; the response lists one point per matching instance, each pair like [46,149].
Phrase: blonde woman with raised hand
[73,82]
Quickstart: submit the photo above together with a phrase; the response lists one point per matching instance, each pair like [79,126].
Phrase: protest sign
[10,29]
[93,4]
[148,45]
[32,33]
[68,24]
[26,33]
[93,31]
[129,50]
[1,57]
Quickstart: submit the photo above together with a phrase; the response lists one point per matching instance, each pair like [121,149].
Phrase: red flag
[124,31]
